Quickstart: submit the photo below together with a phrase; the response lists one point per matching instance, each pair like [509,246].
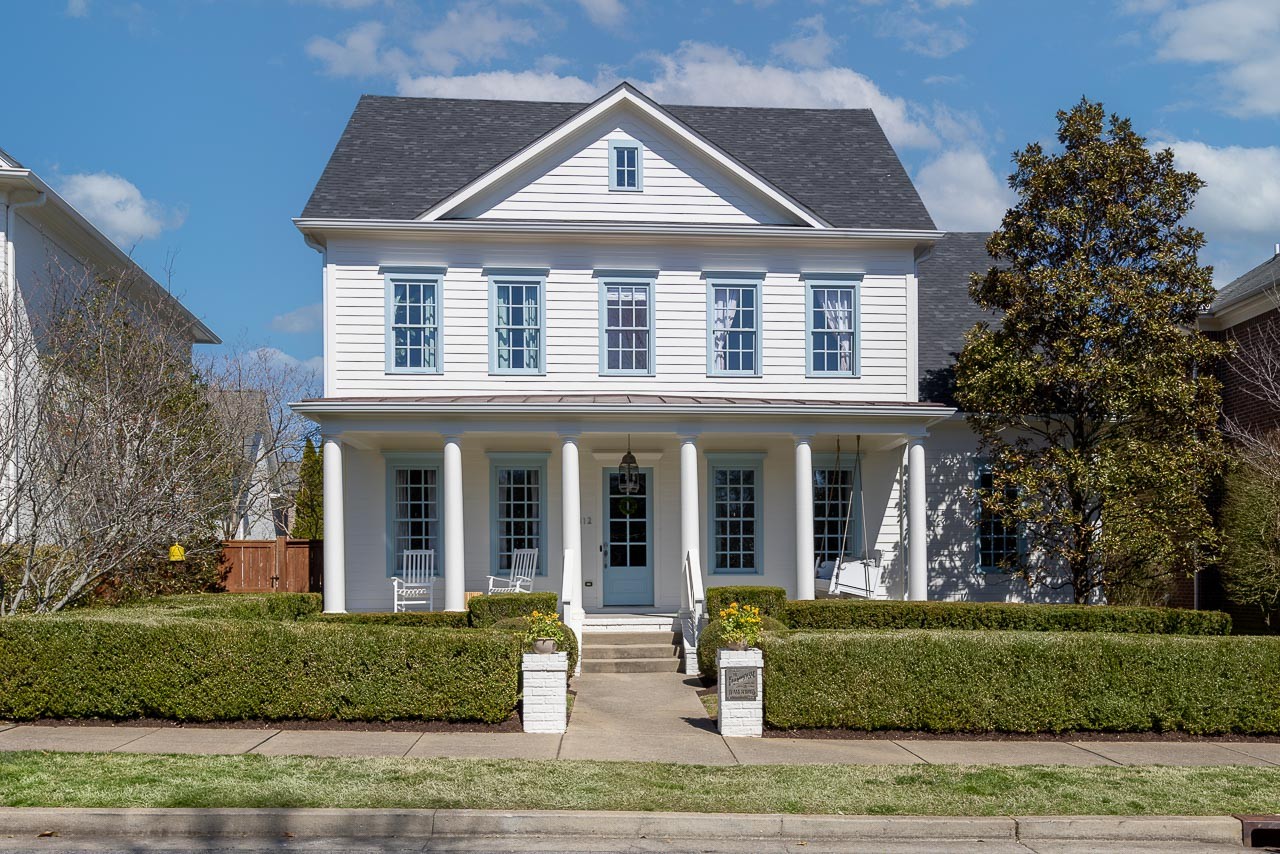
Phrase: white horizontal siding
[679,184]
[356,362]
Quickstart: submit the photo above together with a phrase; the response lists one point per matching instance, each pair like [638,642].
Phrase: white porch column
[454,533]
[917,533]
[335,570]
[804,517]
[690,541]
[571,533]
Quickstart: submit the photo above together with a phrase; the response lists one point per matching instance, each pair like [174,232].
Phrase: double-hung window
[736,493]
[626,326]
[733,326]
[413,322]
[413,499]
[999,545]
[518,495]
[832,321]
[517,342]
[626,165]
[837,520]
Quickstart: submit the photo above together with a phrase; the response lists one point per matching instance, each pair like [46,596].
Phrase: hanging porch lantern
[628,472]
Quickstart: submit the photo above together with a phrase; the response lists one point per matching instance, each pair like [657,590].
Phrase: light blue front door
[628,542]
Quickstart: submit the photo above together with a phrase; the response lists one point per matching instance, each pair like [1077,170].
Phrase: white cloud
[470,32]
[359,54]
[810,47]
[271,354]
[521,85]
[962,192]
[908,25]
[118,208]
[1239,207]
[605,13]
[77,8]
[308,318]
[1238,36]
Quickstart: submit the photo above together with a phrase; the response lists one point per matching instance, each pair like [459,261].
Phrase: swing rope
[862,507]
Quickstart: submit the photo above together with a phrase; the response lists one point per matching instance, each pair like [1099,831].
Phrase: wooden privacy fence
[272,566]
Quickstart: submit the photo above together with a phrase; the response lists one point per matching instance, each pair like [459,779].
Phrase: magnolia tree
[114,444]
[1093,397]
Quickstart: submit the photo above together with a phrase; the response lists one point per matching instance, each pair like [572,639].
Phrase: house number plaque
[739,683]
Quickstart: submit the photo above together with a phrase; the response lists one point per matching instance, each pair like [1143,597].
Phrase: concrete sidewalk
[603,740]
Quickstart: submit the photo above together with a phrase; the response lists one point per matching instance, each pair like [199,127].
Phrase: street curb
[426,824]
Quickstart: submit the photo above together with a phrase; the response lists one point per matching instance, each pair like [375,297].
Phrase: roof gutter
[928,414]
[311,226]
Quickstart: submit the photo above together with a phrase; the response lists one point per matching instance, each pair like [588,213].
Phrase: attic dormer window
[626,165]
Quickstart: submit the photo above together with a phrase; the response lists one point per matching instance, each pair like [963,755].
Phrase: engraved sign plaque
[739,683]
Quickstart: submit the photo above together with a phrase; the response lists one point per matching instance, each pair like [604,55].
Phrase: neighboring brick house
[1246,311]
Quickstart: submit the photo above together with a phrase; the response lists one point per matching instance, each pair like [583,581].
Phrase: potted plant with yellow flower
[543,631]
[741,626]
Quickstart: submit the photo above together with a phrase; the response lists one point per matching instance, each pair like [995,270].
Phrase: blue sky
[193,130]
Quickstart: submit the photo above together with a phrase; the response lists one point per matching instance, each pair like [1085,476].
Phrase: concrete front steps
[631,643]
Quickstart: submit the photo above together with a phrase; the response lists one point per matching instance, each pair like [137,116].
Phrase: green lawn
[122,780]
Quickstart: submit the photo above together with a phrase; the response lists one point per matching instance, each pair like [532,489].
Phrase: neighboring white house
[516,294]
[42,238]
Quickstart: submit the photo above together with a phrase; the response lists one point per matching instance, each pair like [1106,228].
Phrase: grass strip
[121,780]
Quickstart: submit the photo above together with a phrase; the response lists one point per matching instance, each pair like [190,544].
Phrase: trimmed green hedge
[77,666]
[570,645]
[219,606]
[488,610]
[709,642]
[861,614]
[428,619]
[982,681]
[770,600]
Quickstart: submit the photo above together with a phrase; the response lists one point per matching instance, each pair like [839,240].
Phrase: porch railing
[693,614]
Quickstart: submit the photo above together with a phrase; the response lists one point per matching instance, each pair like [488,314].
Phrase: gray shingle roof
[946,313]
[400,156]
[1257,280]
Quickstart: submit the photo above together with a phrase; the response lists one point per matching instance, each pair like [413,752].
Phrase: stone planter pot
[737,646]
[544,646]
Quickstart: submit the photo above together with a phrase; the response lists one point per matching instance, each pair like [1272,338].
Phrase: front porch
[730,492]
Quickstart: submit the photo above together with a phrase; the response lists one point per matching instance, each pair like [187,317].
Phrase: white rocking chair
[416,583]
[524,563]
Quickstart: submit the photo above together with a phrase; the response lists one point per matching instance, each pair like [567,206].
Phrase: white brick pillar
[742,717]
[545,692]
[804,517]
[335,571]
[917,532]
[454,533]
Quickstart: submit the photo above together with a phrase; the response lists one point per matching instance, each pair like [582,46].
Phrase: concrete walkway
[640,717]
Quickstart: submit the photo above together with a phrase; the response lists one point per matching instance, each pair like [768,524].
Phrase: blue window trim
[827,280]
[636,280]
[412,460]
[521,460]
[739,460]
[538,277]
[392,275]
[734,280]
[614,145]
[981,465]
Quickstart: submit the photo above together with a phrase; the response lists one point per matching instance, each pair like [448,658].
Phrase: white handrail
[693,614]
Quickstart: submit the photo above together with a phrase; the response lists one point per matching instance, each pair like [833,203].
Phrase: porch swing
[860,577]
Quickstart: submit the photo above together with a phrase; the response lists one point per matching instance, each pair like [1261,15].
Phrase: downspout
[11,296]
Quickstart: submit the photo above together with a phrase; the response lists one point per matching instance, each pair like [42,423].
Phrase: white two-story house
[517,294]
